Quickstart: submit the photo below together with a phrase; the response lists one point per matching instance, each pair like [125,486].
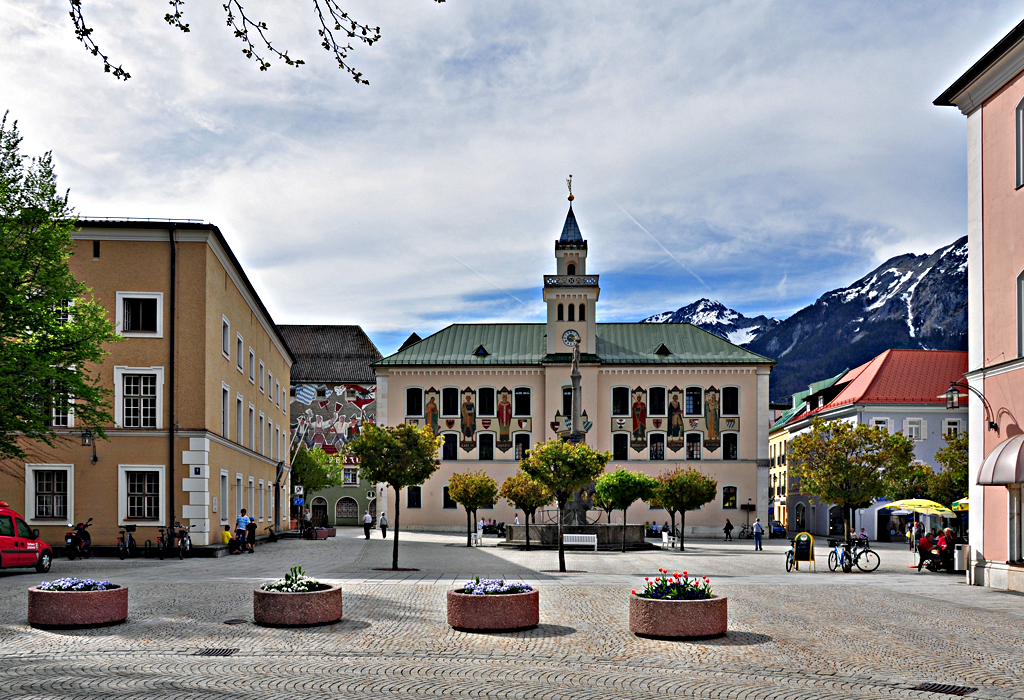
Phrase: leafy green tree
[563,468]
[623,488]
[950,484]
[52,331]
[682,490]
[849,464]
[472,490]
[602,504]
[316,470]
[527,495]
[400,457]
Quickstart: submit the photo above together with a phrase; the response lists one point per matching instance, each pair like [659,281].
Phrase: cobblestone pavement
[799,635]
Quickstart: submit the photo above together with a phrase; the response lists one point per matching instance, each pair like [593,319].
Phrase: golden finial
[569,185]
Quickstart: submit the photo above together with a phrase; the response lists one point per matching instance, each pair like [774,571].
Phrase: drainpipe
[172,237]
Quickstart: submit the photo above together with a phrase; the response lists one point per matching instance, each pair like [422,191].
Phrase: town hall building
[657,396]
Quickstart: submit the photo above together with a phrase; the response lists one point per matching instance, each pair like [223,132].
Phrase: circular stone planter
[276,609]
[679,619]
[75,609]
[511,611]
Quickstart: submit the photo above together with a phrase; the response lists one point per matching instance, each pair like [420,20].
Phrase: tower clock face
[571,338]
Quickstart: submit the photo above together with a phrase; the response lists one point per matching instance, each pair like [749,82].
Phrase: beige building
[199,389]
[657,396]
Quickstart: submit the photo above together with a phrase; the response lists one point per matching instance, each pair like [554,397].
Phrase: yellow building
[199,389]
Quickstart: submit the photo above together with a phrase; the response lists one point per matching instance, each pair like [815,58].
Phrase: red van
[19,544]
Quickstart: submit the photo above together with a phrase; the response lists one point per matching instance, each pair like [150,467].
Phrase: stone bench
[586,540]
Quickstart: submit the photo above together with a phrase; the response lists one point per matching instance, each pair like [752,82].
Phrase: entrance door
[373,510]
[835,521]
[801,517]
[318,510]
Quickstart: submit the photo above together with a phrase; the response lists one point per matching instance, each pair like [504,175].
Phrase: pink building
[991,95]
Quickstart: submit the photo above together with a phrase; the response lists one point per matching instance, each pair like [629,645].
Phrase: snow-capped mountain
[715,317]
[909,301]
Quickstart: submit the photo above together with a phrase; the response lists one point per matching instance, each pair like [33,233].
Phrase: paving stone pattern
[800,635]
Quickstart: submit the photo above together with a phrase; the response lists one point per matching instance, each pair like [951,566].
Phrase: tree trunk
[624,530]
[682,529]
[561,545]
[672,533]
[846,525]
[526,519]
[469,528]
[394,550]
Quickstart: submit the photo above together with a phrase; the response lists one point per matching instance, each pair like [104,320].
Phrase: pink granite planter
[73,609]
[493,612]
[276,609]
[681,619]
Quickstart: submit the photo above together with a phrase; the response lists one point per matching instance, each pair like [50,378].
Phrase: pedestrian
[910,537]
[383,522]
[250,535]
[758,531]
[241,526]
[517,518]
[728,530]
[367,524]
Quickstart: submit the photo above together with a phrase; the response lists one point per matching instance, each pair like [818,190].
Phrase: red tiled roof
[903,377]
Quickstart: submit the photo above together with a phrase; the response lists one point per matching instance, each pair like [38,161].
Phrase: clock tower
[571,294]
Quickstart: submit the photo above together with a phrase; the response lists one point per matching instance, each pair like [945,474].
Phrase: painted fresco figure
[430,415]
[712,417]
[468,415]
[504,419]
[639,417]
[675,417]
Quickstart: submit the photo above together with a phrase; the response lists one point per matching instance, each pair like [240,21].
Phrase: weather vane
[568,184]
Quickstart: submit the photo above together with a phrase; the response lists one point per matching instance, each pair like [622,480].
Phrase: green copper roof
[826,383]
[617,343]
[798,400]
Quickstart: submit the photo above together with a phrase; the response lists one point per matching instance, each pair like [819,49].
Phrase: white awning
[1004,464]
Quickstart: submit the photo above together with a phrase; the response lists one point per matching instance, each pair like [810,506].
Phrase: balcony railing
[570,280]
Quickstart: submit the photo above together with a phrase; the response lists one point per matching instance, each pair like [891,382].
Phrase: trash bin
[960,555]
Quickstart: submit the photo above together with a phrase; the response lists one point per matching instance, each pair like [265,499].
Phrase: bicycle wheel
[121,550]
[789,560]
[847,563]
[867,561]
[833,560]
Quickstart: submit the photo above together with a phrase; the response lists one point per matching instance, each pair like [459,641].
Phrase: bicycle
[858,554]
[746,533]
[271,534]
[126,542]
[184,540]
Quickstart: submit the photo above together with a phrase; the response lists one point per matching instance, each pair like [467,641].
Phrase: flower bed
[71,603]
[679,607]
[493,604]
[296,601]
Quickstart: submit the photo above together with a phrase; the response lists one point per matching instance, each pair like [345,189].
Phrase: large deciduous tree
[472,490]
[849,464]
[682,490]
[563,468]
[400,457]
[316,470]
[527,495]
[622,489]
[950,484]
[52,331]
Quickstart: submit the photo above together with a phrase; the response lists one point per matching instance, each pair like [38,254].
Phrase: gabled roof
[904,377]
[330,354]
[989,60]
[617,343]
[570,231]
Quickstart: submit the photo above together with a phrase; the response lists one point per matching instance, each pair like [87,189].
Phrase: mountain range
[909,301]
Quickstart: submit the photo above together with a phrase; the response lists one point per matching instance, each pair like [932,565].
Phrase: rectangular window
[730,401]
[913,428]
[252,427]
[485,446]
[620,446]
[63,311]
[656,401]
[450,448]
[620,401]
[139,401]
[259,498]
[449,401]
[263,436]
[693,445]
[730,446]
[951,428]
[446,500]
[95,250]
[139,315]
[485,402]
[277,392]
[270,386]
[143,495]
[350,476]
[882,423]
[1019,114]
[656,449]
[225,411]
[51,494]
[694,401]
[252,366]
[414,402]
[522,446]
[414,497]
[62,414]
[240,353]
[239,493]
[225,337]
[567,401]
[251,497]
[223,498]
[521,402]
[239,420]
[262,376]
[728,497]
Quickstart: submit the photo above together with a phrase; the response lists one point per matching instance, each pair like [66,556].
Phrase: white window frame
[954,423]
[522,415]
[260,499]
[119,298]
[700,442]
[629,401]
[1020,306]
[250,509]
[529,440]
[665,413]
[882,422]
[739,399]
[344,476]
[29,511]
[1015,523]
[252,366]
[263,435]
[277,393]
[494,444]
[225,495]
[664,444]
[628,436]
[724,433]
[240,419]
[263,377]
[225,337]
[1019,123]
[440,409]
[119,372]
[921,425]
[442,436]
[423,402]
[240,353]
[270,386]
[252,426]
[225,410]
[239,495]
[488,415]
[69,413]
[122,493]
[700,405]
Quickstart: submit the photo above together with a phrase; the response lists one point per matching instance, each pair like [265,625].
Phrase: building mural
[676,424]
[335,415]
[469,422]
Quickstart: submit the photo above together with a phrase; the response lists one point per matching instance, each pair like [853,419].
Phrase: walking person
[758,532]
[367,524]
[241,528]
[728,530]
[383,522]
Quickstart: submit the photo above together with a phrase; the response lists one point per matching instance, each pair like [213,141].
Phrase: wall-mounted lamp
[88,441]
[953,402]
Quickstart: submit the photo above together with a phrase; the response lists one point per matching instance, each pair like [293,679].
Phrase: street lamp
[87,441]
[953,402]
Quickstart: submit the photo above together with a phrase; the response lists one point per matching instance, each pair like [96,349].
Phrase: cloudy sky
[759,153]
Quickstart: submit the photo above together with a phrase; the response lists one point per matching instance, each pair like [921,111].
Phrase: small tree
[472,490]
[623,488]
[527,495]
[950,484]
[682,490]
[607,506]
[848,464]
[316,470]
[402,456]
[563,468]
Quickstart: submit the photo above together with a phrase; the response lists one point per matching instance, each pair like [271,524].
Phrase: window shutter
[891,425]
[924,429]
[906,426]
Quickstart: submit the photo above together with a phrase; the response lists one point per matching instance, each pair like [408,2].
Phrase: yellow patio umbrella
[922,506]
[962,505]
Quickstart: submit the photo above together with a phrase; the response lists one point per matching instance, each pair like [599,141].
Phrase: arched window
[561,313]
[583,312]
[346,508]
[801,517]
[572,312]
[730,446]
[571,269]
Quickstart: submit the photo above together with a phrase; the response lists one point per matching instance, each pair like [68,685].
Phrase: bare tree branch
[84,35]
[241,25]
[174,18]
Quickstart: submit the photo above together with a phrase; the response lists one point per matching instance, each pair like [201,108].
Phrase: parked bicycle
[126,541]
[174,538]
[746,533]
[858,554]
[271,534]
